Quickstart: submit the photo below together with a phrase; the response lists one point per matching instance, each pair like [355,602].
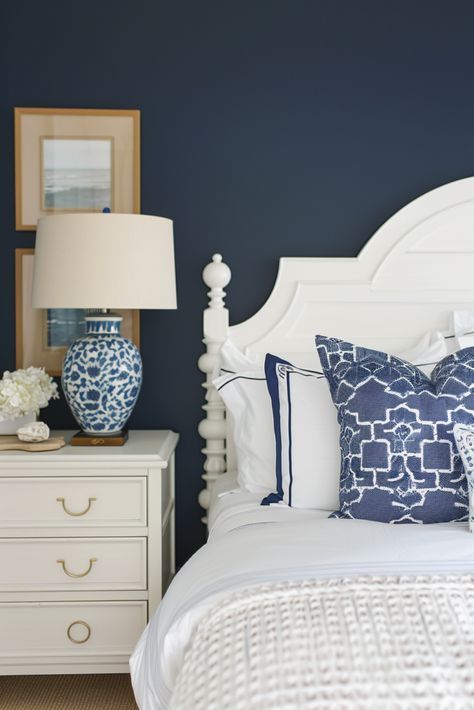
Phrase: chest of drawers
[86,552]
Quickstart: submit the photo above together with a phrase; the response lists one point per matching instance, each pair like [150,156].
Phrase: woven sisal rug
[66,692]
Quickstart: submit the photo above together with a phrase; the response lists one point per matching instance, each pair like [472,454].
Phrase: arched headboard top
[411,273]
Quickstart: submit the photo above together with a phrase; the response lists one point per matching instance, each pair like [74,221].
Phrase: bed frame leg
[216,276]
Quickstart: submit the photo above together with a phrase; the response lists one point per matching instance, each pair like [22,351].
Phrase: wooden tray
[13,443]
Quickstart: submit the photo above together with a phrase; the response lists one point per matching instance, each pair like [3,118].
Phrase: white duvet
[250,545]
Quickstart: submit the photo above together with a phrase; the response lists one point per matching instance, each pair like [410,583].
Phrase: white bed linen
[301,548]
[232,507]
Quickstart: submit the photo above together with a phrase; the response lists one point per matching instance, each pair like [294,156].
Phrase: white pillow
[461,333]
[306,436]
[231,359]
[243,388]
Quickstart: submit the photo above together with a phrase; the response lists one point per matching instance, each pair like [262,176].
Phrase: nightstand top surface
[143,446]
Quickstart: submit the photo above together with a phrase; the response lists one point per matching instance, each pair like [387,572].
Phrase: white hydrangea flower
[25,391]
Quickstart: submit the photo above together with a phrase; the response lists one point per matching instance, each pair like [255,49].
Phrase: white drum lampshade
[100,262]
[104,261]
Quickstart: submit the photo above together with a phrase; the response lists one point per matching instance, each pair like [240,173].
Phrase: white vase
[11,426]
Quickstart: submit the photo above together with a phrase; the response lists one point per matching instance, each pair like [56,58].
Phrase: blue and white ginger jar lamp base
[102,376]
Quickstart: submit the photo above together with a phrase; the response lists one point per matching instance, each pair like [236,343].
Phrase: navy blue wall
[269,128]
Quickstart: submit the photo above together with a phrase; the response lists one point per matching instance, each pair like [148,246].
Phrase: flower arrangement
[25,391]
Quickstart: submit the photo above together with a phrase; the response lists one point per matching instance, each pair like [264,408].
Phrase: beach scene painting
[77,173]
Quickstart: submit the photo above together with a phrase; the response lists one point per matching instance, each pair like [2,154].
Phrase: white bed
[410,276]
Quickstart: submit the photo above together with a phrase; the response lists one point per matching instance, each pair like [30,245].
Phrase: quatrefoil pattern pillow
[399,461]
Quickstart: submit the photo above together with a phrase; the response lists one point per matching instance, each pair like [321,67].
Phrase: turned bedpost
[216,276]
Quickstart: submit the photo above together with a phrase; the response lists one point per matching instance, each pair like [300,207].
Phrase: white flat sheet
[232,507]
[273,551]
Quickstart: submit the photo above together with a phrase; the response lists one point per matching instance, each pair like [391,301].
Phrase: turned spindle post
[212,428]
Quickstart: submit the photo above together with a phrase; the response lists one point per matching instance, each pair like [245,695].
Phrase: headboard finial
[216,276]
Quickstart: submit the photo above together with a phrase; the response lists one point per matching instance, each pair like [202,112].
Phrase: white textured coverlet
[358,643]
[248,555]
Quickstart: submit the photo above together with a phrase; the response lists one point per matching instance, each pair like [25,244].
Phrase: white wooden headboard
[415,270]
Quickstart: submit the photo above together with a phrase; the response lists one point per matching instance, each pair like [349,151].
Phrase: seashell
[37,431]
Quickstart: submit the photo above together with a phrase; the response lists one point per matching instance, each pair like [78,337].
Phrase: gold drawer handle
[70,512]
[72,574]
[83,623]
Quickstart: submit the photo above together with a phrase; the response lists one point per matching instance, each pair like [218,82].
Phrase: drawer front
[69,630]
[78,501]
[93,564]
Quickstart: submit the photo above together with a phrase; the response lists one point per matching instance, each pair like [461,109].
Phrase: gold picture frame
[40,343]
[75,160]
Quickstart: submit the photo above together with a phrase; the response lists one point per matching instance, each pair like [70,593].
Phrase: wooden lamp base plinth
[83,439]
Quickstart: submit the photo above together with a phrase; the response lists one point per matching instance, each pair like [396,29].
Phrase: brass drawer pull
[70,512]
[83,623]
[72,574]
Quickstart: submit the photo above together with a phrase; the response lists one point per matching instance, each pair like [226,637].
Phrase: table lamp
[97,262]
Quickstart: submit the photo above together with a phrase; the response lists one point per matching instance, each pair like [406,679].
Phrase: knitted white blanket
[366,643]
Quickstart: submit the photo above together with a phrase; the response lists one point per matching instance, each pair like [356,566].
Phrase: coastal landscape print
[63,326]
[77,173]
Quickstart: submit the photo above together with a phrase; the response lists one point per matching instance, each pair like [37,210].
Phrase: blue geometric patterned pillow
[399,462]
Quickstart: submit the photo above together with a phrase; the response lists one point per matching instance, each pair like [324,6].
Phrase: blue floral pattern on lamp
[102,376]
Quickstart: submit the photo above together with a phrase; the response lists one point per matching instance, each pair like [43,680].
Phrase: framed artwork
[43,335]
[75,160]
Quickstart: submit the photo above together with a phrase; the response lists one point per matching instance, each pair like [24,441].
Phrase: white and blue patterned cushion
[464,438]
[399,462]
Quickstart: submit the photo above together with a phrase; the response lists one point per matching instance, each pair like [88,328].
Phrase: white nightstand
[86,552]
